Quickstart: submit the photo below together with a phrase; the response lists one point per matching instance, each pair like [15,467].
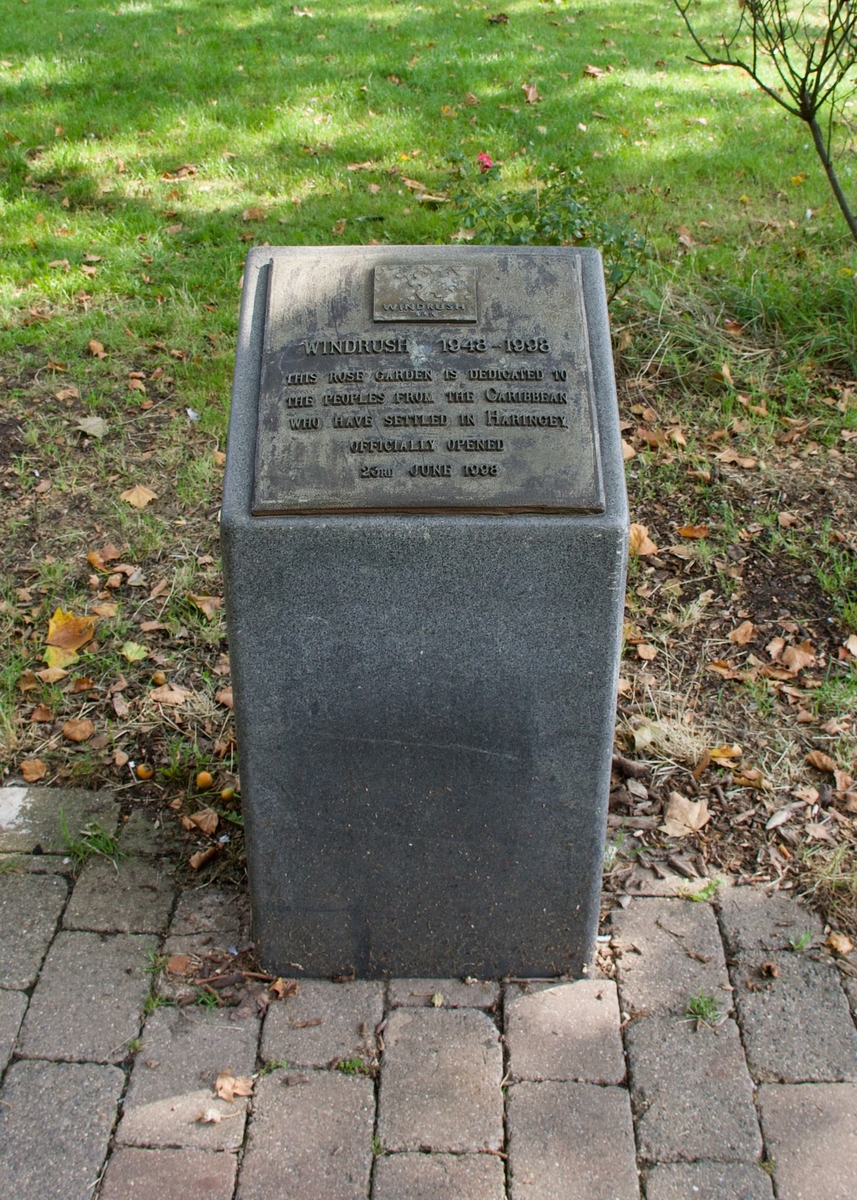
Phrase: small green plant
[707,892]
[134,1045]
[153,1002]
[353,1066]
[377,1148]
[276,1064]
[800,941]
[560,210]
[704,1010]
[207,999]
[92,839]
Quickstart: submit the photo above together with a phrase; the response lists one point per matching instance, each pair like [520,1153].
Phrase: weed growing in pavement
[92,839]
[154,1001]
[800,941]
[705,893]
[704,1011]
[353,1066]
[275,1064]
[207,999]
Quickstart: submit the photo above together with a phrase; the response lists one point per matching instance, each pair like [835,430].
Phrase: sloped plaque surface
[426,386]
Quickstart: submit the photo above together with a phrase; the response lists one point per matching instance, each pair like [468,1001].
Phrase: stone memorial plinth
[424,535]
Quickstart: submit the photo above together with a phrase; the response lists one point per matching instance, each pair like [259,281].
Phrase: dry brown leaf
[646,651]
[592,72]
[228,1086]
[78,730]
[206,820]
[106,609]
[639,542]
[224,697]
[722,755]
[178,964]
[745,633]
[283,988]
[840,943]
[684,816]
[202,857]
[254,213]
[693,531]
[136,385]
[531,93]
[69,632]
[775,648]
[821,761]
[68,393]
[33,769]
[750,777]
[169,693]
[851,644]
[41,714]
[27,682]
[138,496]
[628,451]
[96,349]
[52,674]
[206,604]
[798,657]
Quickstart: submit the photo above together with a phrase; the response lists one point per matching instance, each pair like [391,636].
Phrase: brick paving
[411,1089]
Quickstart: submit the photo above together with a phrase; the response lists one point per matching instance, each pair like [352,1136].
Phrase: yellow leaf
[68,631]
[57,658]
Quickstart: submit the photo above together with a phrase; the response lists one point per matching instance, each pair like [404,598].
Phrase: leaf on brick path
[69,632]
[769,970]
[744,633]
[851,644]
[224,697]
[95,427]
[106,609]
[211,1116]
[78,730]
[684,816]
[206,820]
[228,1086]
[52,674]
[746,461]
[202,857]
[67,393]
[693,531]
[821,761]
[133,651]
[639,542]
[840,943]
[33,769]
[779,818]
[170,694]
[138,496]
[750,777]
[646,651]
[254,213]
[798,657]
[96,349]
[178,964]
[27,681]
[41,714]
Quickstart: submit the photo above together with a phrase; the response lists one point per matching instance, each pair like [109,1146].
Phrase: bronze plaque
[482,402]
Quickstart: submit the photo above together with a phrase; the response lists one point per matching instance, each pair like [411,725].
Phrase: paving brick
[135,898]
[30,908]
[567,1031]
[88,1001]
[692,1094]
[13,1005]
[797,1027]
[440,1081]
[211,910]
[311,1139]
[182,1052]
[419,993]
[168,1175]
[811,1136]
[36,864]
[850,986]
[669,950]
[31,818]
[570,1141]
[439,1177]
[143,834]
[323,1022]
[55,1121]
[708,1181]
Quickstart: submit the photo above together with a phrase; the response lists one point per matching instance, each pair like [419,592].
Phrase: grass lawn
[145,146]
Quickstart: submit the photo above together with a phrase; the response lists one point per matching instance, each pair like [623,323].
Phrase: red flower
[484,160]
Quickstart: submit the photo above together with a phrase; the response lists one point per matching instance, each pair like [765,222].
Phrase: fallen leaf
[78,730]
[769,970]
[224,697]
[95,427]
[592,72]
[531,93]
[41,714]
[51,674]
[745,633]
[338,227]
[684,816]
[775,648]
[628,451]
[206,604]
[254,213]
[205,820]
[839,943]
[68,631]
[746,461]
[722,755]
[798,657]
[27,682]
[283,988]
[106,609]
[639,542]
[178,964]
[779,818]
[169,693]
[228,1086]
[202,857]
[96,349]
[851,644]
[136,385]
[821,761]
[138,496]
[82,684]
[646,652]
[33,769]
[693,531]
[749,777]
[133,651]
[67,393]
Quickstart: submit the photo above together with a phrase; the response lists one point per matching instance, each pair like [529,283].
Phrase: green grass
[92,839]
[704,1010]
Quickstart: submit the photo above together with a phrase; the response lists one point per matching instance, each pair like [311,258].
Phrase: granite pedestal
[424,534]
